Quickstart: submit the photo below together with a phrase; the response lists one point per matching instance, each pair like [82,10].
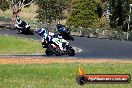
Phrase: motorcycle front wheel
[48,52]
[71,52]
[54,51]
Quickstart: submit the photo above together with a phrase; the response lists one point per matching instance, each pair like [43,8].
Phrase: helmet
[41,31]
[59,25]
[58,22]
[18,21]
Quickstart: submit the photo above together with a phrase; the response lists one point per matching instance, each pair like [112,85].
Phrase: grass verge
[57,75]
[15,45]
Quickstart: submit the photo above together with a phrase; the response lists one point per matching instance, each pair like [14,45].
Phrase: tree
[119,10]
[84,13]
[50,10]
[16,6]
[4,5]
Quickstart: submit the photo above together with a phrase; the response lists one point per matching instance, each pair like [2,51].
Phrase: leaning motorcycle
[52,48]
[24,29]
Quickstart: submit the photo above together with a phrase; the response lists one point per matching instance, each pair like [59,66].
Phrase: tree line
[81,13]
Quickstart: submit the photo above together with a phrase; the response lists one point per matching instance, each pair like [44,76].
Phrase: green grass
[15,45]
[57,75]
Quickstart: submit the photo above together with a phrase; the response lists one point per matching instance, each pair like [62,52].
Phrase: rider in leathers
[46,35]
[21,25]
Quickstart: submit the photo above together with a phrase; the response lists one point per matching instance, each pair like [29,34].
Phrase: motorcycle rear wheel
[71,52]
[48,52]
[54,50]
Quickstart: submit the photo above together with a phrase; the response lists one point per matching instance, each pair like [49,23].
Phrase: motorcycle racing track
[85,47]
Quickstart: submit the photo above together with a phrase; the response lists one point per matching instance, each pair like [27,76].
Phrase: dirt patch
[57,60]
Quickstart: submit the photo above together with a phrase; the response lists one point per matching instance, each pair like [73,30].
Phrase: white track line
[77,50]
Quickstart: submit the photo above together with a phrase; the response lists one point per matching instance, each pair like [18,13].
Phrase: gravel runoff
[46,60]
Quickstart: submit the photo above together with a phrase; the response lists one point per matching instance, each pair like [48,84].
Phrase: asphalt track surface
[89,47]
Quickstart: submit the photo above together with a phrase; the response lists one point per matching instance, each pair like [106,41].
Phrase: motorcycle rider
[49,36]
[63,31]
[46,35]
[18,22]
[60,28]
[21,25]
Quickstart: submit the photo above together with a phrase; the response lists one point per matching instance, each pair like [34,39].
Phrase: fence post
[81,31]
[103,34]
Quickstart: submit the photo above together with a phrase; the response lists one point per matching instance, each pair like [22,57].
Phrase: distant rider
[60,28]
[21,25]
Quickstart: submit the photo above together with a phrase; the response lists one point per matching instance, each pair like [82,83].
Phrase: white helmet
[18,21]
